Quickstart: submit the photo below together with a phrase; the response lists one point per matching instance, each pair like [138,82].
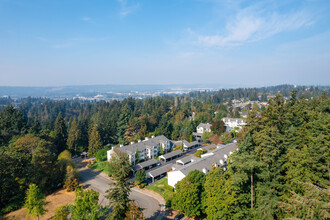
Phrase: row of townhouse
[213,158]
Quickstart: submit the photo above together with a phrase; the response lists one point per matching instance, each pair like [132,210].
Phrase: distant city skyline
[227,42]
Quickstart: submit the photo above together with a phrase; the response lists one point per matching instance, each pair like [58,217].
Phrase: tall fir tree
[122,123]
[118,192]
[74,136]
[60,133]
[95,142]
[35,128]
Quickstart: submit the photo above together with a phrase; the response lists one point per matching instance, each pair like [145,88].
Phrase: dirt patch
[59,198]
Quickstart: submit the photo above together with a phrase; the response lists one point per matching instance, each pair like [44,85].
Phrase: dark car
[178,216]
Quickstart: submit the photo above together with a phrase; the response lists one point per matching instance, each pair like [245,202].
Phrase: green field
[100,166]
[161,187]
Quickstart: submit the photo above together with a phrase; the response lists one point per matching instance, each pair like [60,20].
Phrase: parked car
[178,216]
[84,155]
[75,156]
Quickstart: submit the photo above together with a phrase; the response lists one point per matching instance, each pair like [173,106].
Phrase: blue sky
[227,42]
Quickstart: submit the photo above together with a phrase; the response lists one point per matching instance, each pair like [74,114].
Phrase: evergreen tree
[86,205]
[122,123]
[95,143]
[35,128]
[134,212]
[220,195]
[35,201]
[313,204]
[140,176]
[190,194]
[74,136]
[12,123]
[118,192]
[60,133]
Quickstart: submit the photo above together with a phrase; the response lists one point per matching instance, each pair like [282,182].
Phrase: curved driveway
[100,182]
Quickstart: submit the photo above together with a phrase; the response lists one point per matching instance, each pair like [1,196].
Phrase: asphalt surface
[94,180]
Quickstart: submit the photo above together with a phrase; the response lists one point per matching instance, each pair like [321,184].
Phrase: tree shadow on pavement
[87,174]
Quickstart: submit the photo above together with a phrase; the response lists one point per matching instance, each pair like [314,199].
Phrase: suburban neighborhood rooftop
[144,144]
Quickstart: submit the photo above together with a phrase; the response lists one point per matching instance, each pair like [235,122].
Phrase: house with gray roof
[159,173]
[146,165]
[146,149]
[186,145]
[216,158]
[202,127]
[170,156]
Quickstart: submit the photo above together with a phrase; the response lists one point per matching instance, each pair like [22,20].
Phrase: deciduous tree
[35,201]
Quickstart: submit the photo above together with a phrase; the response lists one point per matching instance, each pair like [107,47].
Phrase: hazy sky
[74,42]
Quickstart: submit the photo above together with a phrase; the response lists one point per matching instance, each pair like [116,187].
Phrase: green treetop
[74,136]
[95,143]
[60,133]
[35,201]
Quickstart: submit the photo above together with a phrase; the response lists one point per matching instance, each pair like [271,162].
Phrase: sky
[225,42]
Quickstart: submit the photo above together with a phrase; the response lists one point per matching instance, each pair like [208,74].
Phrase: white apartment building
[231,123]
[147,149]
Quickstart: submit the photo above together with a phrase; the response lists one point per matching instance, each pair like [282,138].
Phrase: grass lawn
[161,187]
[100,166]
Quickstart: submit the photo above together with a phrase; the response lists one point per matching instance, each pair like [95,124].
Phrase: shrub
[200,152]
[71,179]
[140,176]
[61,213]
[101,155]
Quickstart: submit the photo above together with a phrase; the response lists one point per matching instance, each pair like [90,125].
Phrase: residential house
[201,128]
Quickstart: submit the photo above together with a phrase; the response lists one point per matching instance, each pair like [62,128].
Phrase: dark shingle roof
[161,170]
[171,154]
[145,164]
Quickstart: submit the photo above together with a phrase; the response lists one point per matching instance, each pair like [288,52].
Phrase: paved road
[99,183]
